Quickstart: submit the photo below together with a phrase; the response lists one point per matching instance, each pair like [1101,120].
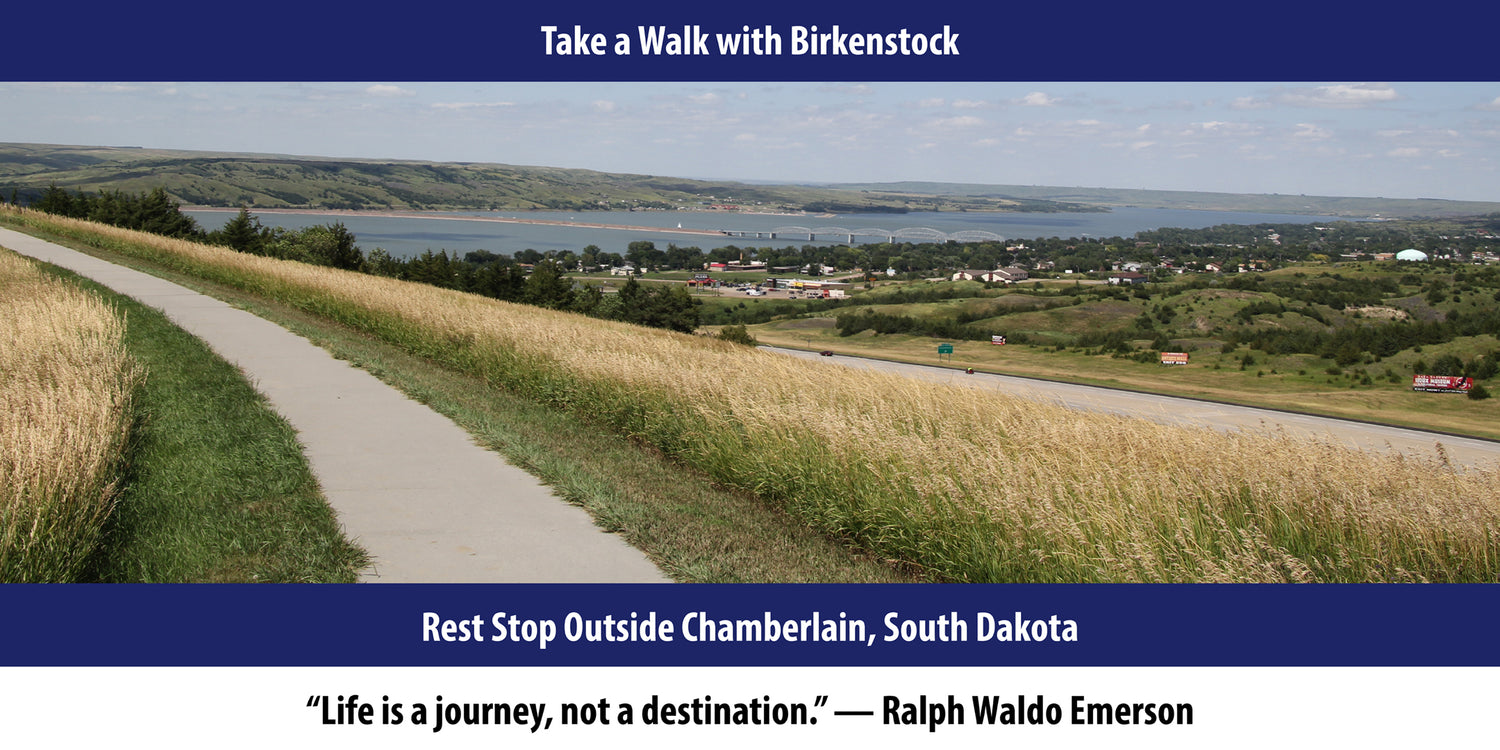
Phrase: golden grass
[66,384]
[969,485]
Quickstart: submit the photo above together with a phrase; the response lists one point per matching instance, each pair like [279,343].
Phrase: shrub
[738,335]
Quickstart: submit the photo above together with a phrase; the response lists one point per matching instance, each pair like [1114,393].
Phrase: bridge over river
[842,234]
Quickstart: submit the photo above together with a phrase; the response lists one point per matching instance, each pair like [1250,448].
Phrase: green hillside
[279,181]
[1251,202]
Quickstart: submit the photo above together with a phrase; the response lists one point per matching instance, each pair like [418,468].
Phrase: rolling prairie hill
[1391,208]
[280,181]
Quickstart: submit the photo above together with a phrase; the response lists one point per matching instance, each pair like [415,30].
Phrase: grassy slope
[910,468]
[695,531]
[1299,382]
[216,488]
[1292,204]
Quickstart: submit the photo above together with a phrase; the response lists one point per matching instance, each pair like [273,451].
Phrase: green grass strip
[216,487]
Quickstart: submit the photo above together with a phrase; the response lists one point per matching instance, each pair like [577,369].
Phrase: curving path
[408,485]
[1176,410]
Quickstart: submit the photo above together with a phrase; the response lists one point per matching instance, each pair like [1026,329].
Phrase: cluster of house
[1007,275]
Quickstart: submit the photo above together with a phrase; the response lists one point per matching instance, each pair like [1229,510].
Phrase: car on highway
[825,353]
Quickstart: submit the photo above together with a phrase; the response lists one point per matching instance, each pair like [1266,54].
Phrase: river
[406,235]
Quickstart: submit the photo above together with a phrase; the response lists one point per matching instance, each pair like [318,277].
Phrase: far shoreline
[388,213]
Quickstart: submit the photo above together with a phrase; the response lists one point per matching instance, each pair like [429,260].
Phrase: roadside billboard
[1441,383]
[1174,358]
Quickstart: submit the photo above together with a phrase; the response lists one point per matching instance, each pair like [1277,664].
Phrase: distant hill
[1260,203]
[280,181]
[208,178]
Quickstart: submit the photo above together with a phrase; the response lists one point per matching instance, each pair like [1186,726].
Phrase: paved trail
[1171,410]
[411,487]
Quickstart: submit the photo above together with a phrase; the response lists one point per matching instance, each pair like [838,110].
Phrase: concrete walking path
[408,485]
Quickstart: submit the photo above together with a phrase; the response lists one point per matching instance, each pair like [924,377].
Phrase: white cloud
[857,89]
[936,102]
[1223,129]
[974,103]
[705,98]
[86,88]
[603,105]
[459,106]
[1404,153]
[1310,131]
[962,121]
[1036,99]
[1249,102]
[1340,95]
[383,89]
[1491,106]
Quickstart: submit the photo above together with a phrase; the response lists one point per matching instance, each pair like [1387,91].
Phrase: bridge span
[842,234]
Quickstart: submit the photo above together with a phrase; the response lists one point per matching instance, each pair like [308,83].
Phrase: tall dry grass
[968,485]
[66,384]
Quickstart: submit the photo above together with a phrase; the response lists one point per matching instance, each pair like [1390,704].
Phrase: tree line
[478,272]
[333,245]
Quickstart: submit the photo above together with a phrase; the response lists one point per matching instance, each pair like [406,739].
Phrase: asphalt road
[1174,410]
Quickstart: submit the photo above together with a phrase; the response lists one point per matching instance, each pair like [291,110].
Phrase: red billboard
[1441,383]
[1174,358]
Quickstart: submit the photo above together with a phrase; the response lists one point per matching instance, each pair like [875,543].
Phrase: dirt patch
[1379,313]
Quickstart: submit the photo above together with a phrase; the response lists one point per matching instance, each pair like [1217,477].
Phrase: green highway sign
[945,348]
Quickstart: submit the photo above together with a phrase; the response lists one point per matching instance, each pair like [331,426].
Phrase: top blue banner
[775,41]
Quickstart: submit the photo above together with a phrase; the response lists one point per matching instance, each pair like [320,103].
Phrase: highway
[1176,410]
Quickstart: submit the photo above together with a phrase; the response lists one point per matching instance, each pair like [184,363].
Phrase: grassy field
[959,485]
[1045,327]
[1294,382]
[695,531]
[213,486]
[68,387]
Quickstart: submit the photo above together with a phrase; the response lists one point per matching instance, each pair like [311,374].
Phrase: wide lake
[461,232]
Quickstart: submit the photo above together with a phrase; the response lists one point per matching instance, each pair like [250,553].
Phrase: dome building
[1411,254]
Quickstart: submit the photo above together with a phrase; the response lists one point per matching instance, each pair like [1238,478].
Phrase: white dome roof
[1410,254]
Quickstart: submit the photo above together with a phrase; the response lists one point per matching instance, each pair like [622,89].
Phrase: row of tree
[153,212]
[479,272]
[333,245]
[484,273]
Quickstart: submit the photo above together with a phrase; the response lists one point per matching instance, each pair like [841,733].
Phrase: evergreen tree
[243,233]
[548,287]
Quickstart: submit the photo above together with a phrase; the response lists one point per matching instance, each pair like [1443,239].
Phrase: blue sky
[1395,140]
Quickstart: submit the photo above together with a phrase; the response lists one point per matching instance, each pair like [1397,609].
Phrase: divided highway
[1176,410]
